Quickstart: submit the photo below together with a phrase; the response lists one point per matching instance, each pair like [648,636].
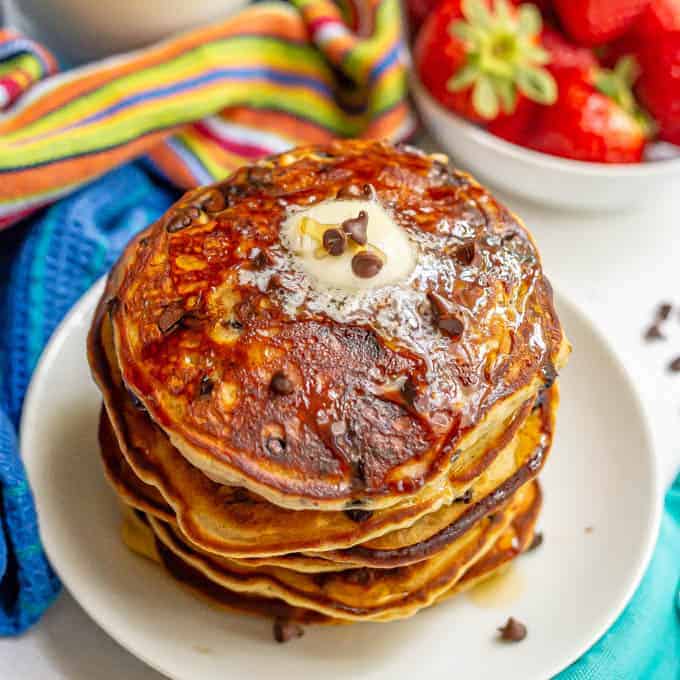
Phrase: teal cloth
[644,643]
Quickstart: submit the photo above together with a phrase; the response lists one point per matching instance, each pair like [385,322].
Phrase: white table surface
[617,268]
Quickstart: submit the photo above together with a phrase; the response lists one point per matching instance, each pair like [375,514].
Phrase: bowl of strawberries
[574,103]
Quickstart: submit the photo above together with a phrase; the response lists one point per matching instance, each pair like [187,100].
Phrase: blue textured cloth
[45,267]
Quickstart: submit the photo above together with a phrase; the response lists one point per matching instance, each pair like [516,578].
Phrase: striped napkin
[199,105]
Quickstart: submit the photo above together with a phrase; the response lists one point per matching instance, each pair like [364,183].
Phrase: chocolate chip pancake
[335,326]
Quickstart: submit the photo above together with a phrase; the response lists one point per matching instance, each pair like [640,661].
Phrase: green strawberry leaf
[485,99]
[537,84]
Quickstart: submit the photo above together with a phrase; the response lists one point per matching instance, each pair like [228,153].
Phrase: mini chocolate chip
[654,333]
[235,324]
[465,253]
[206,386]
[355,228]
[276,446]
[549,374]
[536,541]
[366,264]
[353,191]
[465,498]
[509,236]
[171,317]
[261,260]
[674,366]
[334,241]
[444,316]
[513,630]
[664,311]
[286,630]
[211,201]
[281,384]
[177,221]
[338,428]
[409,391]
[359,516]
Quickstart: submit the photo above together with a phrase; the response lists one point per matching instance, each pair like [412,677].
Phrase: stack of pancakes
[323,453]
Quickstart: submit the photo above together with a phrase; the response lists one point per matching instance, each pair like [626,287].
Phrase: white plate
[601,474]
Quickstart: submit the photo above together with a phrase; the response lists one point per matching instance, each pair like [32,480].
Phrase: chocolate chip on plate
[664,311]
[674,365]
[654,333]
[334,241]
[536,541]
[356,228]
[366,264]
[281,384]
[286,630]
[513,630]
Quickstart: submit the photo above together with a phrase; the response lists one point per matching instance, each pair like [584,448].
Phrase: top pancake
[212,303]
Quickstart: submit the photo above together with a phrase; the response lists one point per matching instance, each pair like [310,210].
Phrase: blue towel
[47,265]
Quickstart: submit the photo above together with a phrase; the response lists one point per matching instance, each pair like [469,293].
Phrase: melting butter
[391,240]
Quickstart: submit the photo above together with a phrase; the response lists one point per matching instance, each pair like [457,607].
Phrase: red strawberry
[655,43]
[417,11]
[478,59]
[588,125]
[595,22]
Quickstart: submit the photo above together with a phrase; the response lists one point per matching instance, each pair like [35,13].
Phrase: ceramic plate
[601,516]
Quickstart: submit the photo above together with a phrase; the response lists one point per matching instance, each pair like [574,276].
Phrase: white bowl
[538,177]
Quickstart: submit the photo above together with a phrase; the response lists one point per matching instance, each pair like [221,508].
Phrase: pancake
[235,523]
[384,388]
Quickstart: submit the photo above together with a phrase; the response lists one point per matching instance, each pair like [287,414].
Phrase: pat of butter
[336,271]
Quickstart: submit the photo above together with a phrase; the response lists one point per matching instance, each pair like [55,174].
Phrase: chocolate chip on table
[171,317]
[358,515]
[674,365]
[664,311]
[281,384]
[334,241]
[276,446]
[444,317]
[465,253]
[355,228]
[536,541]
[286,630]
[654,333]
[366,264]
[513,630]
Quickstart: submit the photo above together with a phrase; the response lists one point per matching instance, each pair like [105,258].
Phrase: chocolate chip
[334,241]
[357,515]
[513,630]
[281,384]
[181,219]
[409,392]
[235,324]
[549,374]
[211,201]
[465,254]
[276,446]
[355,228]
[206,386]
[664,311]
[286,630]
[536,541]
[674,366]
[366,264]
[112,305]
[444,316]
[465,498]
[261,259]
[654,333]
[353,191]
[171,317]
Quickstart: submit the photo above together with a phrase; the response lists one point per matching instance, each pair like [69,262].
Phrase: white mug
[83,30]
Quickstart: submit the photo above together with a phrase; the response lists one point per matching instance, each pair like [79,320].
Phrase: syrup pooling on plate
[217,301]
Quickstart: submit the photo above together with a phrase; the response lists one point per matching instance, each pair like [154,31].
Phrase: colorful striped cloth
[199,105]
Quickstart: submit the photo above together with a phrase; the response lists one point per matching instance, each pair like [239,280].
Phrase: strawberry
[654,41]
[594,121]
[595,22]
[417,11]
[479,57]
